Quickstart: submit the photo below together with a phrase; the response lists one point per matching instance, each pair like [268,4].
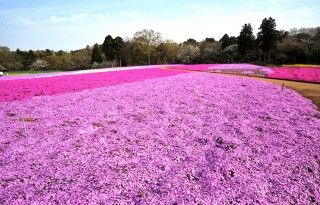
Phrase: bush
[39,65]
[105,64]
[2,68]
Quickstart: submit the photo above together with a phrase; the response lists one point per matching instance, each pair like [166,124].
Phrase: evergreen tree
[48,52]
[19,52]
[210,40]
[316,37]
[191,41]
[29,59]
[60,53]
[96,54]
[227,41]
[224,41]
[246,41]
[268,37]
[118,46]
[108,48]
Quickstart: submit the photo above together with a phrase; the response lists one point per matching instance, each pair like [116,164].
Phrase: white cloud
[75,18]
[74,28]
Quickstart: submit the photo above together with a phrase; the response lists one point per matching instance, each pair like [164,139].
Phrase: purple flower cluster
[185,139]
[244,66]
[241,69]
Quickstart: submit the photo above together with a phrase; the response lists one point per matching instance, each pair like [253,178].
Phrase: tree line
[268,46]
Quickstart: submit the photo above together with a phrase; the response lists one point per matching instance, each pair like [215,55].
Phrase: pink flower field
[156,136]
[240,69]
[26,87]
[296,73]
[299,73]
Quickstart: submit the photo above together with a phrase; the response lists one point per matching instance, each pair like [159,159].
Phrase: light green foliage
[167,52]
[39,65]
[189,53]
[209,50]
[146,41]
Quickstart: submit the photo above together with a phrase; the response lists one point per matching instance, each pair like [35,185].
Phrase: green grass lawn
[12,73]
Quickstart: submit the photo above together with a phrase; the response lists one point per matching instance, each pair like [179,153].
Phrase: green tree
[148,39]
[230,54]
[227,41]
[96,56]
[191,41]
[208,51]
[127,54]
[39,65]
[316,37]
[60,53]
[59,62]
[282,34]
[118,46]
[268,37]
[209,40]
[6,57]
[19,52]
[49,52]
[80,59]
[167,52]
[108,48]
[246,41]
[224,41]
[29,59]
[189,53]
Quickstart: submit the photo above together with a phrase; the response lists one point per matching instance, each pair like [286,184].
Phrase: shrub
[39,65]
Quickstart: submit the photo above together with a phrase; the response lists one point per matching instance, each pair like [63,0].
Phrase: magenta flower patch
[307,74]
[295,73]
[26,87]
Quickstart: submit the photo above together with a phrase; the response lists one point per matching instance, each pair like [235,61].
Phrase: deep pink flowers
[308,74]
[296,73]
[26,87]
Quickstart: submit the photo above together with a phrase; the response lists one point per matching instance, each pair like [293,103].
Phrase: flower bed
[239,69]
[307,74]
[26,87]
[248,69]
[184,139]
[295,73]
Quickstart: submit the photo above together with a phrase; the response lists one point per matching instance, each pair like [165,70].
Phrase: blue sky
[73,24]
